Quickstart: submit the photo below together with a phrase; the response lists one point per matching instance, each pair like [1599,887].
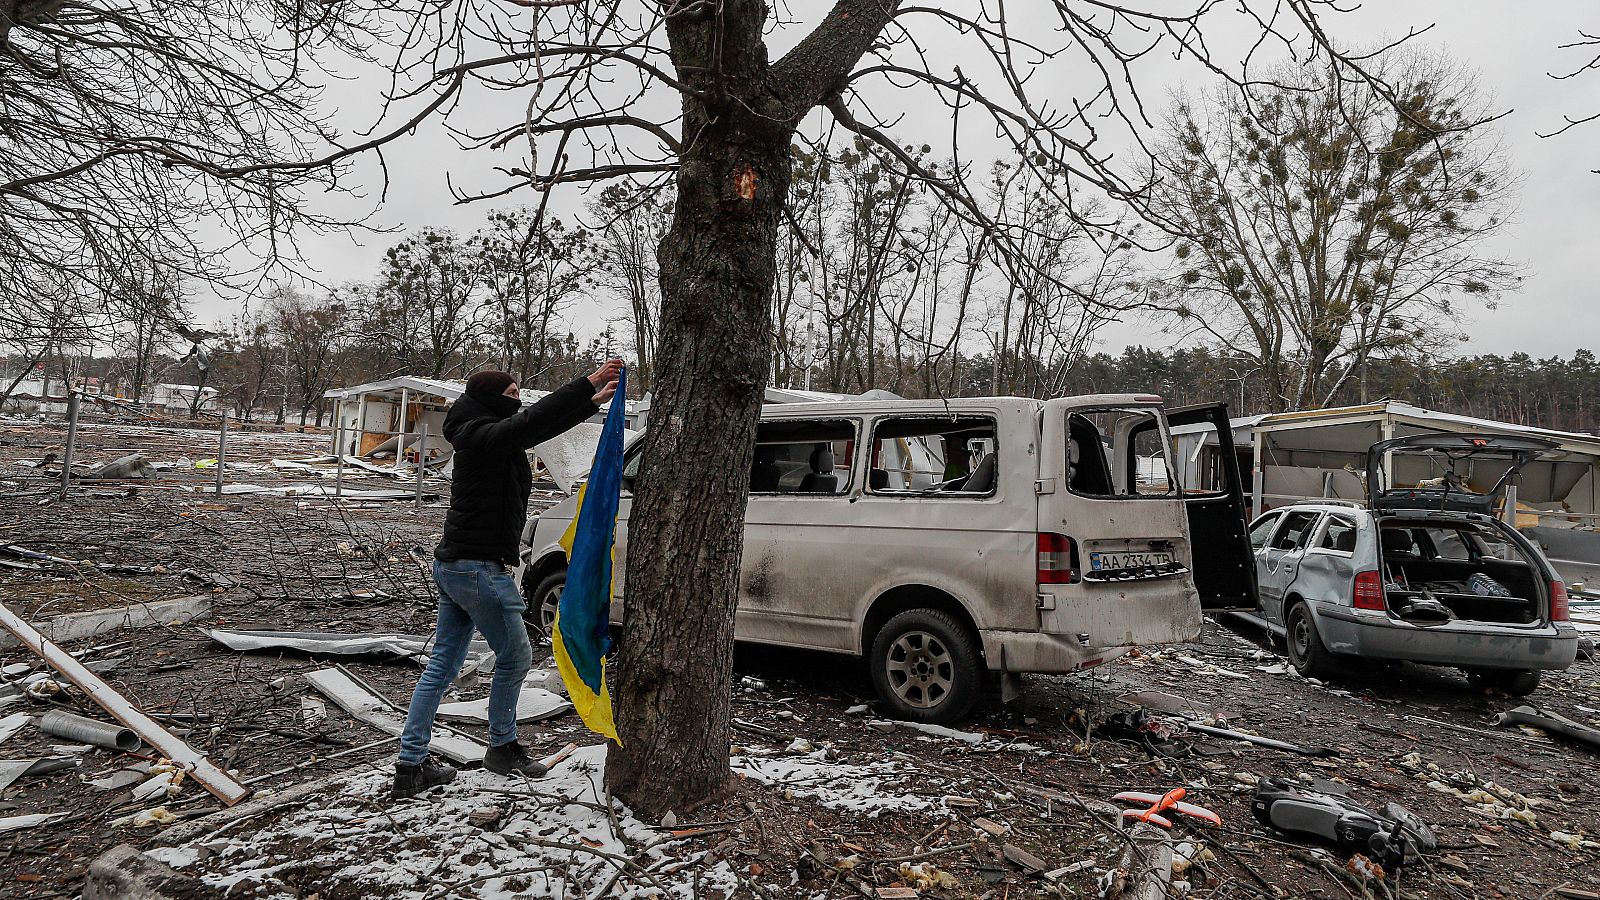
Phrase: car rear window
[1339,536]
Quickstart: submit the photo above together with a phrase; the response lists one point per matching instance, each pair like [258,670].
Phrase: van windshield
[1097,467]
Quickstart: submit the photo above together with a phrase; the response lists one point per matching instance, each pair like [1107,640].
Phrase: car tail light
[1369,591]
[1058,559]
[1558,601]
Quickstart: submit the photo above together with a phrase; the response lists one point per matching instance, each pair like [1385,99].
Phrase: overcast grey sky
[1511,44]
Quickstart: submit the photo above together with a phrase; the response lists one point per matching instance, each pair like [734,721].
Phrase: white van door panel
[1077,500]
[801,572]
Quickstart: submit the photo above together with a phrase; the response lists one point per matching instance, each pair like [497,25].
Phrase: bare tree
[1586,44]
[251,370]
[688,91]
[311,333]
[426,302]
[531,268]
[131,128]
[1325,225]
[630,225]
[148,302]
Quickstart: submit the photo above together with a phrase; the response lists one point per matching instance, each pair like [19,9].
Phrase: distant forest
[1550,393]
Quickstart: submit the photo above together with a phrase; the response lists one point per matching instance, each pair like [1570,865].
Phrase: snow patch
[871,789]
[553,843]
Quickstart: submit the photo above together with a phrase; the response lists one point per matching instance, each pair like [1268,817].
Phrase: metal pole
[422,461]
[72,439]
[401,429]
[222,450]
[338,452]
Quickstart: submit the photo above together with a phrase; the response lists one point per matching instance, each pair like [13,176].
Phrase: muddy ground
[1516,812]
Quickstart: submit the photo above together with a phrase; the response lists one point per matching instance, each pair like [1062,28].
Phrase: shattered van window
[803,457]
[1142,471]
[950,456]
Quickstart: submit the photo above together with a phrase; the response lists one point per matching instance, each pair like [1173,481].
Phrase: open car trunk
[1440,571]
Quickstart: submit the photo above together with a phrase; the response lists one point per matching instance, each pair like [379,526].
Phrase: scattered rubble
[828,800]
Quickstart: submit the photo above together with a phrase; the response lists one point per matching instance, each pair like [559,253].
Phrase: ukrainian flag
[582,632]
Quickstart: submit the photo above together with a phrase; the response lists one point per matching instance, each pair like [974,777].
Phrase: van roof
[954,404]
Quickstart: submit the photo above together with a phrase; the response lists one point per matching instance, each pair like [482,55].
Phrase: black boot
[511,759]
[410,781]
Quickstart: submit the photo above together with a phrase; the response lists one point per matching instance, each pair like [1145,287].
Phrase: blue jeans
[481,595]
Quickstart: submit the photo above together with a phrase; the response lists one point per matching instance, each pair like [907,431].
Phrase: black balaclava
[488,388]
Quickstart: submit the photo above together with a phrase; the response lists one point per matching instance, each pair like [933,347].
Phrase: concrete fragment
[123,873]
[134,465]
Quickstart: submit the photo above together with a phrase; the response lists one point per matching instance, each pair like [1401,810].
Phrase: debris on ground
[374,709]
[405,646]
[829,800]
[1553,723]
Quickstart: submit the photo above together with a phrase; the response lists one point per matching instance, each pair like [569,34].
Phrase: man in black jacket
[472,565]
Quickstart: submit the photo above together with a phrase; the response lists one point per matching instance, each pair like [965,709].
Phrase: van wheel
[1516,682]
[542,603]
[926,667]
[1307,653]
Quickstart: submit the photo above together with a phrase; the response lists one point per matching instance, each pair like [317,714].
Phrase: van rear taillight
[1058,559]
[1559,610]
[1369,591]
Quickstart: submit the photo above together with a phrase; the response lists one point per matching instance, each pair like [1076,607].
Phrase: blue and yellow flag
[582,632]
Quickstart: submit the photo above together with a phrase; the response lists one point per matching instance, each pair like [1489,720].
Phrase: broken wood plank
[1031,864]
[380,714]
[994,828]
[202,769]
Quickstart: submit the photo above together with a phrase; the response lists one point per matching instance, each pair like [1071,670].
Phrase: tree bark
[718,265]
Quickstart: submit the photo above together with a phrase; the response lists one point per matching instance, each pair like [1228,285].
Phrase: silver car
[1424,573]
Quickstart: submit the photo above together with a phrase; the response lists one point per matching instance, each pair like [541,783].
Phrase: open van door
[1224,567]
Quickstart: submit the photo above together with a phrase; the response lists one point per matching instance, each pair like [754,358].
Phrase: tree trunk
[718,268]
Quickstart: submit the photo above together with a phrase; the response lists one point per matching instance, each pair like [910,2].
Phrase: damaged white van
[956,542]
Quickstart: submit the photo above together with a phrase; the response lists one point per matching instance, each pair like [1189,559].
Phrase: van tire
[1309,656]
[1515,682]
[926,667]
[542,600]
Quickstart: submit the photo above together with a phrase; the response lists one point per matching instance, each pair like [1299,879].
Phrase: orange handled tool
[1160,803]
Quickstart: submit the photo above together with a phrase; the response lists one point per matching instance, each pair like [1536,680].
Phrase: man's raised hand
[606,373]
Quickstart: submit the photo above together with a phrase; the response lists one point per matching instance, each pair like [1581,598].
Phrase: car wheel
[542,603]
[1515,682]
[1306,651]
[926,667]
